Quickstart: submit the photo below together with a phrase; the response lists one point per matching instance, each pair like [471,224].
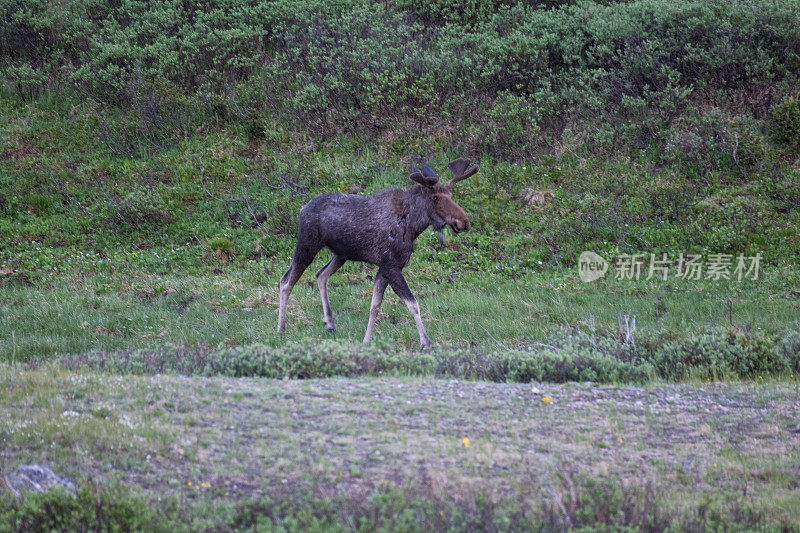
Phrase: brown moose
[378,229]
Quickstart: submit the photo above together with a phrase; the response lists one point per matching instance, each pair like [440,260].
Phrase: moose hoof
[425,345]
[330,330]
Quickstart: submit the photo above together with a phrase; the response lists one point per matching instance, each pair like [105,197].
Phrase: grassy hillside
[645,126]
[186,245]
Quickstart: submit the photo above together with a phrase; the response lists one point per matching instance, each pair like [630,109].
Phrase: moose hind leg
[323,275]
[400,287]
[377,298]
[303,255]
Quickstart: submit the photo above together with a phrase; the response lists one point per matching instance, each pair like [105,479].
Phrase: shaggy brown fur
[378,229]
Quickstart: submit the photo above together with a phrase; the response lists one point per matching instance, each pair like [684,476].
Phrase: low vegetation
[578,357]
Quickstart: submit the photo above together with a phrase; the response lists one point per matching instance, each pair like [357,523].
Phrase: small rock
[536,199]
[37,478]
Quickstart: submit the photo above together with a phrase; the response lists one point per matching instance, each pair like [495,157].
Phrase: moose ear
[461,170]
[426,178]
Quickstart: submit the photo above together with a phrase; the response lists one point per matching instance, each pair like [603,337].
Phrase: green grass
[238,307]
[65,198]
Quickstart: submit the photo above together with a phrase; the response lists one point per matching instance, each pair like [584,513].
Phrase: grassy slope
[106,252]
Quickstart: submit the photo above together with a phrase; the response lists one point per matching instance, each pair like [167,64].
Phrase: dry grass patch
[231,438]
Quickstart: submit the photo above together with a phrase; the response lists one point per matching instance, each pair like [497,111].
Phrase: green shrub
[750,150]
[511,127]
[620,71]
[92,509]
[581,359]
[256,126]
[699,143]
[736,357]
[456,12]
[596,504]
[221,247]
[26,80]
[568,358]
[786,122]
[143,205]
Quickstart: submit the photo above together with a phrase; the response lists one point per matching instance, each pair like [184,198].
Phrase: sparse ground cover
[693,455]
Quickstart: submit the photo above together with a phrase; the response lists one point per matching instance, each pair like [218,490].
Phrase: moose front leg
[398,283]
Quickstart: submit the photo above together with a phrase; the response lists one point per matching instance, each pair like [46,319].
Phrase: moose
[378,229]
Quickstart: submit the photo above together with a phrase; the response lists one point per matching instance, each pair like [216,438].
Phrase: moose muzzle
[459,226]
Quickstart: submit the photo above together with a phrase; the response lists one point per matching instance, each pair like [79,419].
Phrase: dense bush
[620,70]
[786,122]
[710,357]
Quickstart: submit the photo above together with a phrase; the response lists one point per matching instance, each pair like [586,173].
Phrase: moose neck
[418,218]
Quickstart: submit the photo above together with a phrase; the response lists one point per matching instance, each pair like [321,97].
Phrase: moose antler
[427,177]
[428,172]
[461,170]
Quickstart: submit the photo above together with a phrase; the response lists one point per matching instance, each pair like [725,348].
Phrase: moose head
[445,211]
